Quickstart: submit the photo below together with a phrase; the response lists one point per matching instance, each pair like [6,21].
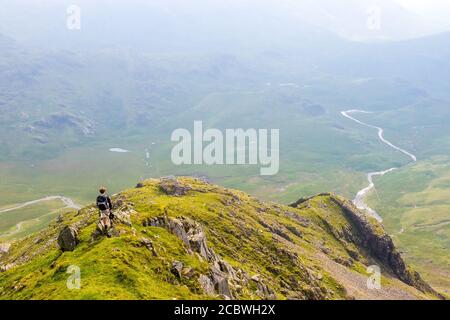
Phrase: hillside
[184,238]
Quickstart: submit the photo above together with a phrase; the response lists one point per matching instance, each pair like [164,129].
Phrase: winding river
[360,198]
[67,201]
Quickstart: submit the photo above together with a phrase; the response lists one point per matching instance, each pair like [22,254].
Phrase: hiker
[104,204]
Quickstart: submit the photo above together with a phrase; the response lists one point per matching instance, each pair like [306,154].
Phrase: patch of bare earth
[356,284]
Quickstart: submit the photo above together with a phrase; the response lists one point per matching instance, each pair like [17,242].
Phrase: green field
[415,205]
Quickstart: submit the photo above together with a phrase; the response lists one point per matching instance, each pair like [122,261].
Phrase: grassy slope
[313,263]
[415,205]
[413,201]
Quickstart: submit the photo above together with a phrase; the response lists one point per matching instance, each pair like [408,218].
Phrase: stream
[360,198]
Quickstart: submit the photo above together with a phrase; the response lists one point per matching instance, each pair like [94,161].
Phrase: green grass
[415,205]
[235,225]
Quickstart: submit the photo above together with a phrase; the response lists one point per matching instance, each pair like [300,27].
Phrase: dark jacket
[101,198]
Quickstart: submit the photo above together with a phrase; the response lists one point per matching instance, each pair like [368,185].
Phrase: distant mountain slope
[177,25]
[185,238]
[357,19]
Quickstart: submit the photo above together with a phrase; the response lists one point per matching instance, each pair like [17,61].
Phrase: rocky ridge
[186,238]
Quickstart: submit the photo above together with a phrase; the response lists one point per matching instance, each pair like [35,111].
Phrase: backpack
[102,203]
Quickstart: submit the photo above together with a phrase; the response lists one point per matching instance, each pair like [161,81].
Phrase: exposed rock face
[4,248]
[123,211]
[304,222]
[172,187]
[207,285]
[263,290]
[149,245]
[99,232]
[220,281]
[188,231]
[177,268]
[123,217]
[380,245]
[68,239]
[223,279]
[4,268]
[278,230]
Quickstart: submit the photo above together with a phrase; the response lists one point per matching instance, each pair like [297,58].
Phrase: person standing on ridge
[104,204]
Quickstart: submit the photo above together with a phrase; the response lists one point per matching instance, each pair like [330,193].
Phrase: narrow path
[360,199]
[67,201]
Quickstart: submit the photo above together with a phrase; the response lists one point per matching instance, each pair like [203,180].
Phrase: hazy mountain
[198,25]
[362,20]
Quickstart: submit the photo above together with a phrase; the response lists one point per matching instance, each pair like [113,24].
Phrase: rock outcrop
[172,187]
[68,238]
[371,236]
[4,248]
[222,279]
